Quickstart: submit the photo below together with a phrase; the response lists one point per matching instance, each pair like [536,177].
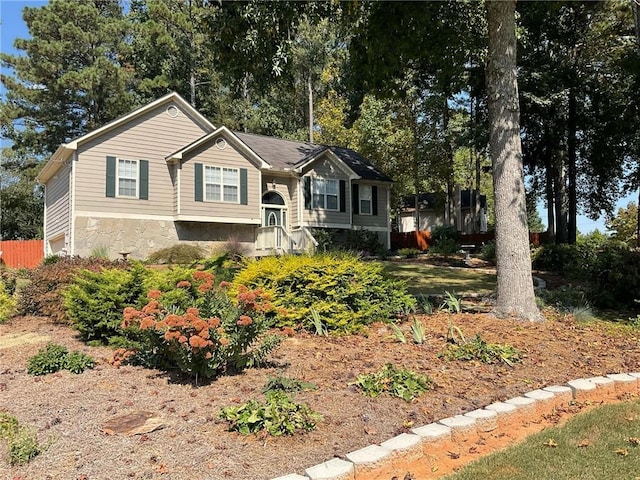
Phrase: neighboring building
[163,174]
[431,208]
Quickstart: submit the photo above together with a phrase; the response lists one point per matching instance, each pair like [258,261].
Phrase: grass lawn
[599,445]
[429,280]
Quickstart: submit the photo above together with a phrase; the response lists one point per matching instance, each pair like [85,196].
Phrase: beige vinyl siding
[151,137]
[295,202]
[57,203]
[380,220]
[209,155]
[324,168]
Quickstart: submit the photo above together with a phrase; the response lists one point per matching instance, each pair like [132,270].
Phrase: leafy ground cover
[601,444]
[194,442]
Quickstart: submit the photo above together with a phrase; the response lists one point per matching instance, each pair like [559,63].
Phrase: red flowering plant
[216,333]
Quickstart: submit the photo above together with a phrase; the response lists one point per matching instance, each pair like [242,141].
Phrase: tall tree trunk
[477,206]
[551,224]
[636,16]
[310,92]
[572,226]
[450,203]
[560,196]
[515,297]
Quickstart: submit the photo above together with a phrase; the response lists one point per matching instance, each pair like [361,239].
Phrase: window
[365,199]
[325,193]
[128,178]
[221,184]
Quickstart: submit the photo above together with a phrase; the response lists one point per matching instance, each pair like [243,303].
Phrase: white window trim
[361,197]
[324,194]
[204,184]
[137,170]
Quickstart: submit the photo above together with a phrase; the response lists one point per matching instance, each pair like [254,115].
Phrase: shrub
[488,251]
[444,240]
[339,239]
[22,443]
[78,362]
[408,252]
[42,296]
[279,415]
[7,303]
[213,335]
[286,384]
[346,292]
[234,249]
[49,359]
[94,301]
[401,383]
[180,253]
[614,277]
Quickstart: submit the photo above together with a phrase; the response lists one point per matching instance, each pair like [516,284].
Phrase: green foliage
[346,292]
[479,349]
[408,252]
[424,304]
[451,303]
[95,300]
[445,246]
[401,383]
[205,332]
[7,302]
[78,362]
[43,296]
[49,359]
[279,415]
[22,443]
[318,325]
[444,240]
[564,299]
[180,254]
[488,251]
[624,225]
[286,384]
[417,331]
[398,333]
[101,251]
[364,242]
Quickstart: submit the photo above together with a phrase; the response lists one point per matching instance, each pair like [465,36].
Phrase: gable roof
[66,149]
[287,155]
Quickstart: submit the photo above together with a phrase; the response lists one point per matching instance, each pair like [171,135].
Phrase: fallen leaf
[435,468]
[108,431]
[370,431]
[407,424]
[584,443]
[622,451]
[634,441]
[162,469]
[550,443]
[454,455]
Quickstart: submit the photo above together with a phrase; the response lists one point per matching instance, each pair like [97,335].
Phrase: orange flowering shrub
[215,333]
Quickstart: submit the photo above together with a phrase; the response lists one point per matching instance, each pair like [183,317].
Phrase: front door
[272,216]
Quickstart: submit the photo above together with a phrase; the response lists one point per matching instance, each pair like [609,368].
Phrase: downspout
[45,242]
[72,206]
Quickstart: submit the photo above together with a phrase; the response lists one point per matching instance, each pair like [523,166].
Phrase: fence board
[422,239]
[21,253]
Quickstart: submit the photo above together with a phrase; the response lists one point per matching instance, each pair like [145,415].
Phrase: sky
[12,26]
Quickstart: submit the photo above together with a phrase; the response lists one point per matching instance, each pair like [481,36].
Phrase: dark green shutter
[144,180]
[374,200]
[111,177]
[343,196]
[355,198]
[244,197]
[198,181]
[307,193]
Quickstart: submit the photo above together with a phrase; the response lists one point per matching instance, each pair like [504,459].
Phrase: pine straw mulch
[69,410]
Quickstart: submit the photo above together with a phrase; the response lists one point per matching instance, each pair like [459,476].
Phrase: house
[163,174]
[431,212]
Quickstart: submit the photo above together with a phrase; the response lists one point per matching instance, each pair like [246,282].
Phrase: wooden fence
[422,239]
[21,253]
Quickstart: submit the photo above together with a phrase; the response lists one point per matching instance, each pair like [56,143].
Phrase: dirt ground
[69,411]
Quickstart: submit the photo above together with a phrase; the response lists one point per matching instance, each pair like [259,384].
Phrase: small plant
[318,325]
[401,383]
[279,415]
[451,303]
[235,249]
[181,253]
[22,443]
[634,322]
[49,359]
[101,251]
[398,333]
[78,362]
[7,302]
[479,349]
[53,358]
[286,384]
[424,304]
[455,335]
[582,314]
[417,331]
[488,251]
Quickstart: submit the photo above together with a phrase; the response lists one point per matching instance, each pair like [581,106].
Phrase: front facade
[164,174]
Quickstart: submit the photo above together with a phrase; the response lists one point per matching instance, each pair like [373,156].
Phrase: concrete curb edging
[409,451]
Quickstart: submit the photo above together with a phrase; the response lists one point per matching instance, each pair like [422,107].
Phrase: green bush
[49,359]
[614,277]
[488,251]
[479,349]
[94,301]
[42,296]
[7,303]
[345,240]
[346,292]
[401,383]
[444,240]
[279,415]
[22,443]
[212,335]
[78,362]
[180,253]
[286,384]
[408,252]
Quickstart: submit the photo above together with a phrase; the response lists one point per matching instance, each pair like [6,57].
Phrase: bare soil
[69,412]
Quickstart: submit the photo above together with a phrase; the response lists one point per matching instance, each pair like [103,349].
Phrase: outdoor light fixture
[273,184]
